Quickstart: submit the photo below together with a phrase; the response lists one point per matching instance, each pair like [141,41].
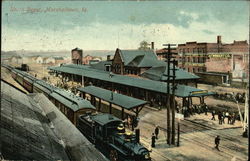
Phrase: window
[204,60]
[108,67]
[194,61]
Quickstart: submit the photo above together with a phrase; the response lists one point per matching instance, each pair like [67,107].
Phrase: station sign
[199,92]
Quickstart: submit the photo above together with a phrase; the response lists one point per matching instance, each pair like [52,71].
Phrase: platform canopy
[118,99]
[152,85]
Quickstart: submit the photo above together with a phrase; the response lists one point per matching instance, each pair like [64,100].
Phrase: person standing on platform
[233,119]
[227,114]
[223,117]
[217,142]
[213,114]
[205,108]
[220,118]
[229,119]
[153,140]
[156,132]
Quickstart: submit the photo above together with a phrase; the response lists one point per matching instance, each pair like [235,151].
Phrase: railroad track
[211,132]
[191,137]
[156,155]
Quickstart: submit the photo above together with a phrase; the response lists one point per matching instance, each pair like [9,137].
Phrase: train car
[108,134]
[41,86]
[28,82]
[10,68]
[71,105]
[19,77]
[14,74]
[23,79]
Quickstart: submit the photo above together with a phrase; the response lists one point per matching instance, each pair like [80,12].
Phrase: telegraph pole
[168,57]
[173,104]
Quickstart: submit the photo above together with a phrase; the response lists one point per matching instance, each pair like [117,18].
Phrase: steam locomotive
[108,134]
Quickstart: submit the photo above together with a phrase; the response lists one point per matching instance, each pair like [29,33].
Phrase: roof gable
[128,55]
[159,73]
[145,61]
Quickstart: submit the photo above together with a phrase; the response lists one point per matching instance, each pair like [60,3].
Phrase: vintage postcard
[125,80]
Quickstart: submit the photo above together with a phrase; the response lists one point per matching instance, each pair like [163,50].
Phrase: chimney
[152,45]
[218,39]
[108,57]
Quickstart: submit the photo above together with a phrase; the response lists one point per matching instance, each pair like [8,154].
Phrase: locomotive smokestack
[137,135]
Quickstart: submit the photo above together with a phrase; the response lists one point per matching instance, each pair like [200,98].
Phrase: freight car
[108,134]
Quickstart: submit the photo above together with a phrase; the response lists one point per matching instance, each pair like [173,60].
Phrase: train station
[125,81]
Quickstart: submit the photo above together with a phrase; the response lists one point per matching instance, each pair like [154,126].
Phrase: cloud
[100,36]
[193,15]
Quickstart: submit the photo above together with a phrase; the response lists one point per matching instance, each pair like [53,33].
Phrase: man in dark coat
[229,119]
[233,118]
[220,118]
[213,114]
[153,140]
[156,132]
[205,108]
[217,142]
[223,117]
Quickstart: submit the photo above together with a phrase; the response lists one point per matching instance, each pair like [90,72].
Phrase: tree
[144,45]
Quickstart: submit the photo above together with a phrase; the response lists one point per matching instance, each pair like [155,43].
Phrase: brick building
[133,61]
[229,62]
[161,54]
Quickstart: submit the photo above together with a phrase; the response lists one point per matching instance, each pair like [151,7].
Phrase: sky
[107,25]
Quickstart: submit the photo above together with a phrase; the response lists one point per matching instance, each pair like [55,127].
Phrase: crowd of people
[231,117]
[202,108]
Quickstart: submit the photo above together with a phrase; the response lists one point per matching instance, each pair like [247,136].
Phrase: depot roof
[161,87]
[159,73]
[112,97]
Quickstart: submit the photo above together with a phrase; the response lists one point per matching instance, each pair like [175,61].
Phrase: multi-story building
[227,61]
